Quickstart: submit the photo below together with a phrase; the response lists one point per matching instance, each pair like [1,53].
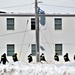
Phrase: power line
[24,36]
[58,6]
[23,39]
[17,6]
[14,33]
[40,42]
[28,46]
[47,41]
[33,3]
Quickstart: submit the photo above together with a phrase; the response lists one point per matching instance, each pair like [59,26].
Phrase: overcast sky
[49,6]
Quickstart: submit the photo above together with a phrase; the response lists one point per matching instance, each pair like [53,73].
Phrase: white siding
[48,37]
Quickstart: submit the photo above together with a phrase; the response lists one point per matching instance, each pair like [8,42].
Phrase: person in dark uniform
[74,57]
[30,59]
[4,59]
[66,58]
[15,57]
[56,58]
[42,57]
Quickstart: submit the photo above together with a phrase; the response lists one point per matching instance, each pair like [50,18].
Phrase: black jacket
[15,57]
[66,58]
[42,58]
[30,58]
[56,57]
[4,59]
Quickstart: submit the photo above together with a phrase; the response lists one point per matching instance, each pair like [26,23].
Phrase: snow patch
[19,68]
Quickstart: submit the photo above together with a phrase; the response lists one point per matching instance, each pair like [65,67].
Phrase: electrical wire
[49,32]
[16,6]
[28,47]
[47,41]
[58,6]
[41,4]
[14,33]
[23,38]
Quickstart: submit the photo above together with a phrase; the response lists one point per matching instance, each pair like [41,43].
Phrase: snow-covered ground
[19,68]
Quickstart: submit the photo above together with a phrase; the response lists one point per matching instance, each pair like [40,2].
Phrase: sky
[49,6]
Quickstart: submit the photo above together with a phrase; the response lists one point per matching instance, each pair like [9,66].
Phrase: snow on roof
[33,14]
[2,12]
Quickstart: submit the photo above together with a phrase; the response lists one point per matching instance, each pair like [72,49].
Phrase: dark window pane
[33,27]
[32,23]
[10,49]
[58,49]
[59,52]
[10,53]
[34,52]
[10,23]
[33,49]
[58,23]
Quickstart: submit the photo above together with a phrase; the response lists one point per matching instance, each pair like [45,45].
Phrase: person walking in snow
[66,58]
[4,59]
[74,57]
[30,59]
[15,57]
[42,57]
[56,58]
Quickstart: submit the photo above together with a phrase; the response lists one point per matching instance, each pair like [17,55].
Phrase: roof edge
[32,14]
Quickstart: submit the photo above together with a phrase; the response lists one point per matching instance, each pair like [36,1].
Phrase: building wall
[15,36]
[23,37]
[65,36]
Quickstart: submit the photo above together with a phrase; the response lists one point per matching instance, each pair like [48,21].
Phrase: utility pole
[37,31]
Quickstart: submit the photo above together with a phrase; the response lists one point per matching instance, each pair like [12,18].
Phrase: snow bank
[20,68]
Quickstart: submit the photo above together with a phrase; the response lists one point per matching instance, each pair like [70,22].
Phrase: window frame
[8,50]
[33,24]
[58,51]
[33,51]
[58,26]
[10,26]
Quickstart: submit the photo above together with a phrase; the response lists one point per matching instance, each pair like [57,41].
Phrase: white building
[17,35]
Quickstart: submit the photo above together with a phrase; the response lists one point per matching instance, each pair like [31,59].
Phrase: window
[32,23]
[58,49]
[58,23]
[10,49]
[10,23]
[33,49]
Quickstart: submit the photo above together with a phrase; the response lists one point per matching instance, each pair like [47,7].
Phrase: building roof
[32,14]
[2,12]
